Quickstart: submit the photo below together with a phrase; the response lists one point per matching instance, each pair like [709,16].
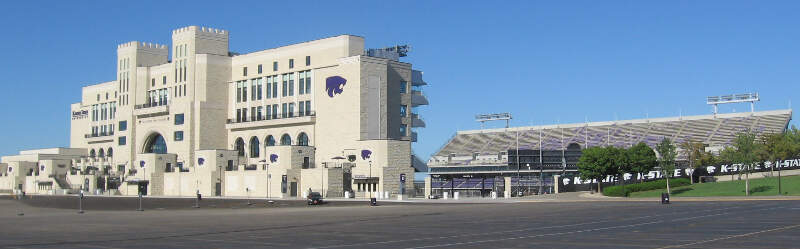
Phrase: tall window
[238,91]
[244,91]
[291,84]
[284,110]
[254,147]
[302,139]
[259,89]
[259,115]
[269,87]
[301,109]
[274,66]
[308,60]
[239,146]
[274,86]
[403,110]
[259,69]
[275,111]
[403,86]
[269,112]
[284,85]
[308,107]
[254,88]
[286,139]
[291,63]
[244,71]
[308,82]
[291,110]
[270,141]
[301,86]
[156,144]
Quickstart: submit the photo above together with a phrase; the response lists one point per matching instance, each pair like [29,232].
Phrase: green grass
[790,185]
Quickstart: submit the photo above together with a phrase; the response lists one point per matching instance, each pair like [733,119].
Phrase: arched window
[239,147]
[100,153]
[156,144]
[254,146]
[92,154]
[286,139]
[270,141]
[302,139]
[110,152]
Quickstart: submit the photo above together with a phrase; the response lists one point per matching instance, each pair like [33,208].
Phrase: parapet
[204,30]
[143,46]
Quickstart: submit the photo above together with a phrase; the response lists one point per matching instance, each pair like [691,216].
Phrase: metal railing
[276,117]
[99,134]
[150,104]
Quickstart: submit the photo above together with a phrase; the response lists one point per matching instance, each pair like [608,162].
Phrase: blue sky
[544,62]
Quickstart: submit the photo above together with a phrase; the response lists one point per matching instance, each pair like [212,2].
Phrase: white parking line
[733,236]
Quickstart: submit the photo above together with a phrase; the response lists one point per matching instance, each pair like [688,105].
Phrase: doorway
[293,188]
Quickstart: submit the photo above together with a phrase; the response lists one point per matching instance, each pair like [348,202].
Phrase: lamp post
[370,179]
[528,165]
[541,179]
[266,167]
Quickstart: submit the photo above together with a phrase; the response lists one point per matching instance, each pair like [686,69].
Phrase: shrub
[625,190]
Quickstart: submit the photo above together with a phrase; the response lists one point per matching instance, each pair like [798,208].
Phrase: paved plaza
[51,223]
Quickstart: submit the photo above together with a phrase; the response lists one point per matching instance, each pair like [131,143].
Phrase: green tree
[590,164]
[776,148]
[693,152]
[747,150]
[666,158]
[620,162]
[642,158]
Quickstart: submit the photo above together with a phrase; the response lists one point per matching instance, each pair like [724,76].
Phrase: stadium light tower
[733,98]
[493,117]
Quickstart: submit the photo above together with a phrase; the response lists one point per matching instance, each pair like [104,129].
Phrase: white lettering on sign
[723,168]
[711,169]
[677,173]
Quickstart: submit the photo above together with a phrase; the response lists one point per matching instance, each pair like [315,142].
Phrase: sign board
[200,161]
[141,164]
[403,178]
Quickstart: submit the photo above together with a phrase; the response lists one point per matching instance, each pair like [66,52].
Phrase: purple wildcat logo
[365,154]
[334,85]
[273,158]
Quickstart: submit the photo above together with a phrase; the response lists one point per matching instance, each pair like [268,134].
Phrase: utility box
[664,198]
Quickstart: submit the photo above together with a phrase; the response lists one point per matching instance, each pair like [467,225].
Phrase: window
[269,87]
[308,107]
[302,139]
[285,111]
[275,111]
[306,162]
[301,112]
[308,60]
[259,115]
[254,88]
[239,146]
[153,82]
[244,91]
[123,125]
[92,154]
[179,136]
[308,82]
[274,86]
[244,71]
[244,114]
[403,128]
[259,89]
[274,66]
[284,85]
[238,115]
[110,152]
[301,87]
[291,110]
[179,119]
[403,110]
[122,140]
[291,84]
[269,113]
[259,69]
[164,80]
[291,63]
[270,141]
[254,147]
[286,139]
[238,91]
[403,86]
[253,114]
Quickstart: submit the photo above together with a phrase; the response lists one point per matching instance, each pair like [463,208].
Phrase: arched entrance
[156,144]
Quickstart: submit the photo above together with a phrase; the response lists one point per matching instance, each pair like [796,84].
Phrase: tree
[642,159]
[619,162]
[693,152]
[666,158]
[776,148]
[590,164]
[746,155]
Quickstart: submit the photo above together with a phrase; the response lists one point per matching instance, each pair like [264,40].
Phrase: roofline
[632,121]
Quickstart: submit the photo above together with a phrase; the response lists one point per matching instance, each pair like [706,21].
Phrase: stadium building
[478,162]
[325,115]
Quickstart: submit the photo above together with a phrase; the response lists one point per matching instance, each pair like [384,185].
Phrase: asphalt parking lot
[606,224]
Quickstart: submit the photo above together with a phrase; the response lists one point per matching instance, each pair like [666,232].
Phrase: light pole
[370,179]
[528,165]
[541,179]
[266,167]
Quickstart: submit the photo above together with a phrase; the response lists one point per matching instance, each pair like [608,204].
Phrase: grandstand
[553,149]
